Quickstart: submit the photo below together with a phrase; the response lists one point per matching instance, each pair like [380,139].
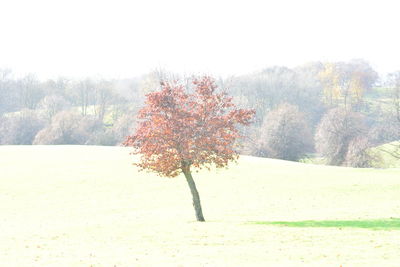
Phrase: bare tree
[60,86]
[123,127]
[393,123]
[267,89]
[83,95]
[52,104]
[20,128]
[359,154]
[285,134]
[103,96]
[394,83]
[334,133]
[69,127]
[30,92]
[6,91]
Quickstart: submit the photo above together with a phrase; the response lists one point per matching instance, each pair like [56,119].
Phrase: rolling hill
[88,206]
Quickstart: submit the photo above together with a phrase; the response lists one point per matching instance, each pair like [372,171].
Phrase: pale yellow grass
[88,206]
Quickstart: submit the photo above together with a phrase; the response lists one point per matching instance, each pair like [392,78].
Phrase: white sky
[127,38]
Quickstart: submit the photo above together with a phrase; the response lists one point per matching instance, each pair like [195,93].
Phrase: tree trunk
[195,194]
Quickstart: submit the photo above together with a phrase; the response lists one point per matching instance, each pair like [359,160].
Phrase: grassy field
[88,206]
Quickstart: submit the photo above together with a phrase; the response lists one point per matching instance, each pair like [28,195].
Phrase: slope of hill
[389,154]
[88,206]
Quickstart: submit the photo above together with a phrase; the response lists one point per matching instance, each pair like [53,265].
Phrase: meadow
[89,206]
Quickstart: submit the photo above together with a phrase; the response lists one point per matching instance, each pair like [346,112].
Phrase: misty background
[76,72]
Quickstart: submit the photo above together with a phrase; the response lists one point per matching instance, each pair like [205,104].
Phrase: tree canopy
[194,129]
[180,129]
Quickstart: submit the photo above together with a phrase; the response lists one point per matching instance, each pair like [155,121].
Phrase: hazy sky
[128,38]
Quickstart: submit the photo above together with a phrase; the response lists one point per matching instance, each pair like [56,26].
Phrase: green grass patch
[378,224]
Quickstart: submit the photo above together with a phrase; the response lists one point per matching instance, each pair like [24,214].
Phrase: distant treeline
[338,110]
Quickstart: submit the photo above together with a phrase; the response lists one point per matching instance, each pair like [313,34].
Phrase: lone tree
[180,130]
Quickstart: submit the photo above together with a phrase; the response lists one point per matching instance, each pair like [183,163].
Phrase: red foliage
[179,129]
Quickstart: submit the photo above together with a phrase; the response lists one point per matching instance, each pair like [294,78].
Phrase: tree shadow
[376,224]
